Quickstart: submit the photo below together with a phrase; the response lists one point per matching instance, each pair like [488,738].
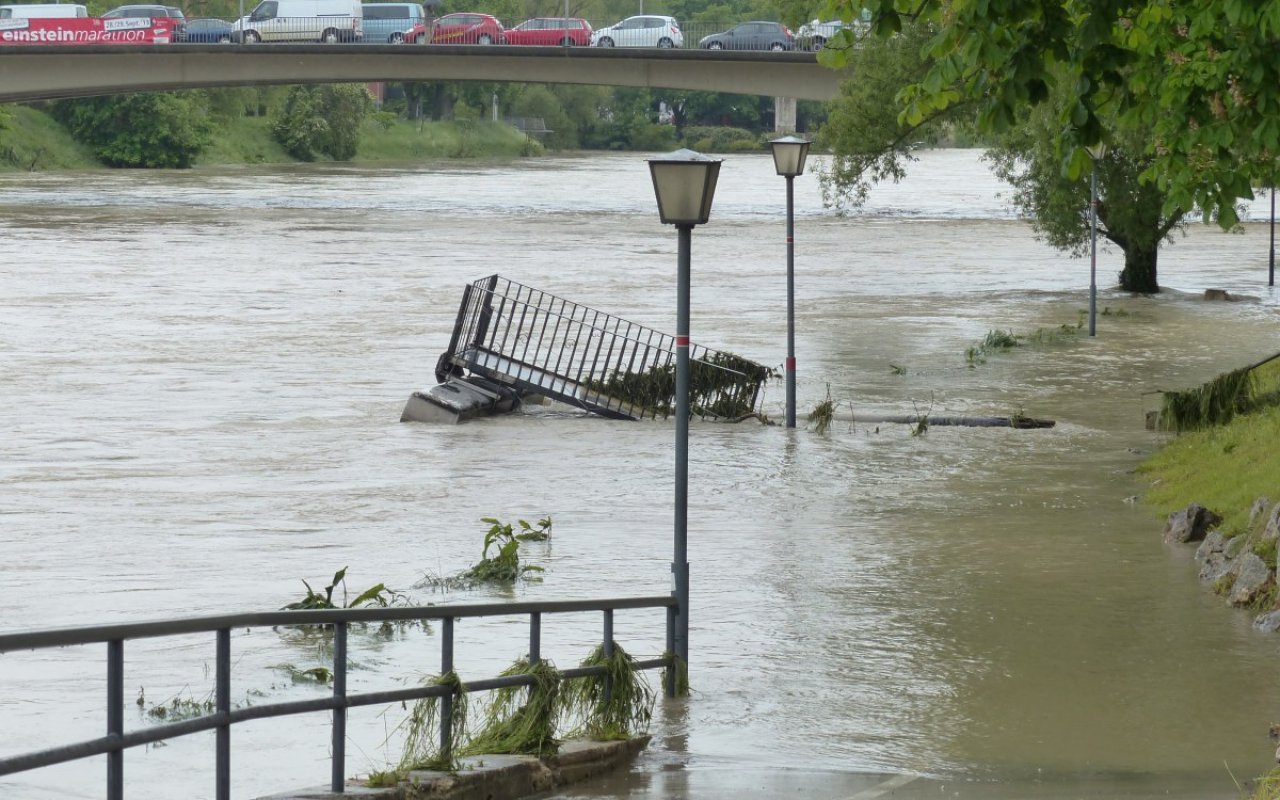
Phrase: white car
[641,31]
[814,35]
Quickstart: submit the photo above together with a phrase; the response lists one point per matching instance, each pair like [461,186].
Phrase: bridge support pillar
[784,115]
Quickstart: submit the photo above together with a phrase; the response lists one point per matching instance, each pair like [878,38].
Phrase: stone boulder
[1256,510]
[1272,529]
[1213,545]
[1268,622]
[1252,574]
[1190,524]
[1212,557]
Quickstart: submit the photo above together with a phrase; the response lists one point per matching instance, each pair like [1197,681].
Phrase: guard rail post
[339,766]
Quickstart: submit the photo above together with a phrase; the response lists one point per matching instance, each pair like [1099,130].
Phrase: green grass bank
[33,141]
[1223,468]
[1226,468]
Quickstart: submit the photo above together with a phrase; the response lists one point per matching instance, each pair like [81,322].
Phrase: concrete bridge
[53,72]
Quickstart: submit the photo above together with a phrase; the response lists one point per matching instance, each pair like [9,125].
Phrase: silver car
[646,30]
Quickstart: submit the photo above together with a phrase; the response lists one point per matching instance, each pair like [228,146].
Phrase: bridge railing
[283,30]
[223,717]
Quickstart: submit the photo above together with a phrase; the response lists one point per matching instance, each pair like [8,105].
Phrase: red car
[551,32]
[464,28]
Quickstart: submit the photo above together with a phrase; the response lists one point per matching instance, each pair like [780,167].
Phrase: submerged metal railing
[544,344]
[116,741]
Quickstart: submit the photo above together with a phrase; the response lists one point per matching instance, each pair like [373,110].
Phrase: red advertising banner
[72,31]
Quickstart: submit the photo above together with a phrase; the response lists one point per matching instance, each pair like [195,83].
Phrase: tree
[870,143]
[1132,213]
[156,129]
[322,121]
[1200,76]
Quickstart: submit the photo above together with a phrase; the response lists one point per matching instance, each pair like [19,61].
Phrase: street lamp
[684,183]
[789,154]
[1097,152]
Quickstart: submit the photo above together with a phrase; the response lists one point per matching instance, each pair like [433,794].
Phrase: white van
[326,21]
[44,11]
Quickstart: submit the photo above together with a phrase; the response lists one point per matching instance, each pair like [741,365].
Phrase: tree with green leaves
[155,129]
[1200,76]
[323,121]
[871,142]
[1132,213]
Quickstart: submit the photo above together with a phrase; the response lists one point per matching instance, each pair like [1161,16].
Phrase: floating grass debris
[615,705]
[320,675]
[1213,403]
[521,719]
[504,567]
[422,746]
[377,595]
[180,706]
[823,413]
[677,675]
[721,385]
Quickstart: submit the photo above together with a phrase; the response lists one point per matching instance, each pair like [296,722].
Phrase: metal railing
[544,344]
[688,36]
[116,740]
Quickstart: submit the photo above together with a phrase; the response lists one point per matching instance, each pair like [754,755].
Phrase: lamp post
[684,183]
[789,154]
[1097,152]
[1271,262]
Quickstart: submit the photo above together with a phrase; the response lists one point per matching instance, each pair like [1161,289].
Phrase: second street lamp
[684,183]
[1097,152]
[789,154]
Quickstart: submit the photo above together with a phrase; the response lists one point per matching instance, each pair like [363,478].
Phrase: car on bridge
[641,31]
[460,28]
[206,31]
[386,23]
[551,32]
[751,36]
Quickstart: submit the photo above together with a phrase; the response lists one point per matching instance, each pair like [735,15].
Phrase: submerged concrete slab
[496,777]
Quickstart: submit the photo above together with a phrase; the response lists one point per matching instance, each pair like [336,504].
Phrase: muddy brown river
[202,373]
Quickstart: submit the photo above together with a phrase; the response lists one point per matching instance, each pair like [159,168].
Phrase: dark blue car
[207,31]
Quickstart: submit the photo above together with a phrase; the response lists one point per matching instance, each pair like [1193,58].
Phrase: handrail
[117,740]
[92,634]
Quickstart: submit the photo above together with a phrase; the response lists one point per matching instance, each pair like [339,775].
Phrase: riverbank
[1230,470]
[35,142]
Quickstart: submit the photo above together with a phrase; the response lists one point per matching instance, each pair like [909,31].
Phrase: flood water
[202,373]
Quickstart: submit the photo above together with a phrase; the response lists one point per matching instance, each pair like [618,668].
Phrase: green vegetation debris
[616,705]
[521,719]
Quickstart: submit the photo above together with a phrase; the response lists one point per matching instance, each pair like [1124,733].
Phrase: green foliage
[177,708]
[504,566]
[823,414]
[378,595]
[1131,211]
[1224,467]
[34,141]
[521,719]
[721,385]
[707,139]
[422,727]
[868,142]
[1212,403]
[678,674]
[617,705]
[319,675]
[323,121]
[1199,76]
[1268,786]
[156,129]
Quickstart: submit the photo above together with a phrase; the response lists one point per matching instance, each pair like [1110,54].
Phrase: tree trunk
[1139,273]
